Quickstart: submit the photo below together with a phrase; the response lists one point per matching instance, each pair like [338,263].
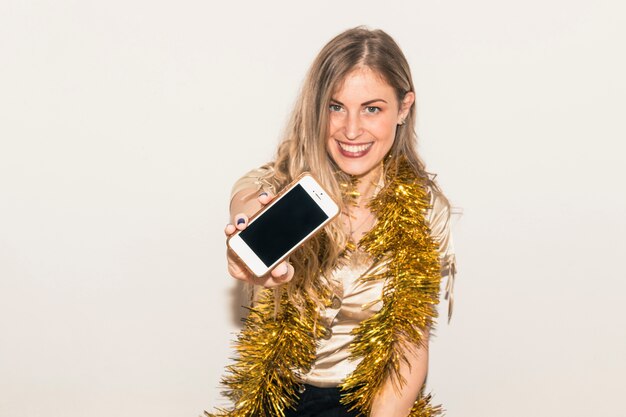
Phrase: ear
[405,106]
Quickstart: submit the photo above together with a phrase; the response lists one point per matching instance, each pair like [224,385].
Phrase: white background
[123,125]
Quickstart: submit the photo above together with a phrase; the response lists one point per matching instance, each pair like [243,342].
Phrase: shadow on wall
[240,296]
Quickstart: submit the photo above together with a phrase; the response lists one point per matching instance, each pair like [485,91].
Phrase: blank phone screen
[283,225]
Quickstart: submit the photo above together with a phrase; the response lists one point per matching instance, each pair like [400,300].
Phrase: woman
[342,327]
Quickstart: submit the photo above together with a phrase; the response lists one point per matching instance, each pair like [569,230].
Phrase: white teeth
[354,148]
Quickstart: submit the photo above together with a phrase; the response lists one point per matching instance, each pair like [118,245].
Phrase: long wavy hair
[303,146]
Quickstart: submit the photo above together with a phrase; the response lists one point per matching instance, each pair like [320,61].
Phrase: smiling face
[363,116]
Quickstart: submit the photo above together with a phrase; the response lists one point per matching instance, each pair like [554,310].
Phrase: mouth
[354,150]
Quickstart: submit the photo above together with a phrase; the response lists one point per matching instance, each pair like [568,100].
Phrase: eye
[372,109]
[334,107]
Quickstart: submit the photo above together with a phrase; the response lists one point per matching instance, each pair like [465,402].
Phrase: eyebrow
[367,103]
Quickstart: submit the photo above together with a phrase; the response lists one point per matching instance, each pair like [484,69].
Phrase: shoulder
[439,211]
[256,178]
[439,218]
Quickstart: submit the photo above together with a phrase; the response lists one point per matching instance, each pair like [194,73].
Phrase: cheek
[386,129]
[330,143]
[334,123]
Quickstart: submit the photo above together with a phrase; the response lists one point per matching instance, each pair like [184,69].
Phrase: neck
[366,185]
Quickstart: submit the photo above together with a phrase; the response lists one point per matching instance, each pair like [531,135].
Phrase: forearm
[245,202]
[395,400]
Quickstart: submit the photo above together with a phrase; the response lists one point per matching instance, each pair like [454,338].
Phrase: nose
[353,126]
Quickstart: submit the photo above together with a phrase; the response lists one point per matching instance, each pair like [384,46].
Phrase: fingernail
[263,194]
[283,270]
[240,220]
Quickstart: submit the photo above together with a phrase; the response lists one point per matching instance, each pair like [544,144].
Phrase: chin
[356,171]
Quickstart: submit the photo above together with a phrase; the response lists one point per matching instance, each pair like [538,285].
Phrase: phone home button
[336,303]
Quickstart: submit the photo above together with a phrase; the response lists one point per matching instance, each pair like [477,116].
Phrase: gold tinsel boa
[275,348]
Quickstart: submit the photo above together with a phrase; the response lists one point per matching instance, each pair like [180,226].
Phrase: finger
[287,277]
[271,280]
[281,270]
[229,229]
[265,197]
[241,221]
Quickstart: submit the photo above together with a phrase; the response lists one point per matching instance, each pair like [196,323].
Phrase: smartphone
[295,214]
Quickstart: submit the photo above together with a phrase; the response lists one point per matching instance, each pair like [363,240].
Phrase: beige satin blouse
[354,300]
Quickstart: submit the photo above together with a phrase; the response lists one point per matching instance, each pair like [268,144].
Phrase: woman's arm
[396,401]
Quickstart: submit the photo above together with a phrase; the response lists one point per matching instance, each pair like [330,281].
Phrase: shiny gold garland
[409,265]
[273,349]
[276,348]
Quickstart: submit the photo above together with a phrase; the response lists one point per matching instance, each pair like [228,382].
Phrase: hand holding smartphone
[295,214]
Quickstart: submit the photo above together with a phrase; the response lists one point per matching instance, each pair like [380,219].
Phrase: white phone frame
[317,194]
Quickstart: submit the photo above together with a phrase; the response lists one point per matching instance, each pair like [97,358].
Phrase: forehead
[363,84]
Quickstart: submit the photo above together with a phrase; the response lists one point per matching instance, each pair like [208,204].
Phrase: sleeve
[257,179]
[441,230]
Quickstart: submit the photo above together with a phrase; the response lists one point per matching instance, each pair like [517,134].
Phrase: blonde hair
[303,147]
